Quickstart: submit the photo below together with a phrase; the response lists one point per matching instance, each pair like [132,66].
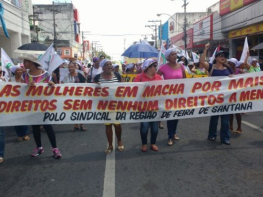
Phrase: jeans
[224,130]
[21,131]
[144,131]
[2,141]
[172,126]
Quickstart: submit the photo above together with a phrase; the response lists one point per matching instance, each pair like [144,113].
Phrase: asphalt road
[193,166]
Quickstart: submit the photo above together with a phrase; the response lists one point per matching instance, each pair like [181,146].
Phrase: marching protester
[35,75]
[21,131]
[74,77]
[149,74]
[218,68]
[129,68]
[199,69]
[95,70]
[107,76]
[172,70]
[116,68]
[253,66]
[233,63]
[183,60]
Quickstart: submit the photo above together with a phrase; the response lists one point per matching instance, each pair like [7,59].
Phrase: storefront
[241,19]
[254,33]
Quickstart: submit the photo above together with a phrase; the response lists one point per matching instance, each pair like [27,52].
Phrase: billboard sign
[178,40]
[203,30]
[227,6]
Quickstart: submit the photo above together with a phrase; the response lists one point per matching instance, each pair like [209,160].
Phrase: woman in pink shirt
[149,74]
[172,70]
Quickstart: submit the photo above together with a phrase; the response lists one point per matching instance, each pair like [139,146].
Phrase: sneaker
[37,151]
[56,153]
[1,159]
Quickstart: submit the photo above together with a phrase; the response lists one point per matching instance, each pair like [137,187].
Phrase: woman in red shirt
[149,74]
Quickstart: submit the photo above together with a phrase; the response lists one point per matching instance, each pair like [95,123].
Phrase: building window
[67,52]
[59,51]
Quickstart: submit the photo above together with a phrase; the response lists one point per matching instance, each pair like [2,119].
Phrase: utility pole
[35,18]
[160,35]
[185,21]
[155,30]
[54,25]
[83,47]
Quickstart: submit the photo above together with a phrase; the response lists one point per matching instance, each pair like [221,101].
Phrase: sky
[110,21]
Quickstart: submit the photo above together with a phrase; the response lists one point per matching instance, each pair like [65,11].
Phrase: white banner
[129,102]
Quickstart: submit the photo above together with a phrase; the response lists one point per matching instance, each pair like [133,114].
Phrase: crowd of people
[104,70]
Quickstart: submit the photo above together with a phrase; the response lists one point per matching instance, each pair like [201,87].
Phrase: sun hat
[234,61]
[103,62]
[239,63]
[13,69]
[148,63]
[31,57]
[168,52]
[115,65]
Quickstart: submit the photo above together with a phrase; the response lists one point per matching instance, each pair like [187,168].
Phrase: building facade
[16,17]
[66,34]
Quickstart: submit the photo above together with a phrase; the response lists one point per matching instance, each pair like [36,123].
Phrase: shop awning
[257,47]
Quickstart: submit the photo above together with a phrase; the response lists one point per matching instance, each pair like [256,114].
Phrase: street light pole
[185,21]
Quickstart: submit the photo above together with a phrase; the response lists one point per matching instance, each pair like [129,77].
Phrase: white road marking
[109,178]
[253,126]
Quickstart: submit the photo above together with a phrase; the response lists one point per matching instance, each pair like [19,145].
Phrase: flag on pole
[50,60]
[245,50]
[6,63]
[161,56]
[213,57]
[195,57]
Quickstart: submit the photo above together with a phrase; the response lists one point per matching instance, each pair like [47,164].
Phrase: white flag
[50,60]
[245,50]
[161,56]
[180,51]
[213,57]
[195,57]
[6,63]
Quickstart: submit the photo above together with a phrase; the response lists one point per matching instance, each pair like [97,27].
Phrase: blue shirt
[225,72]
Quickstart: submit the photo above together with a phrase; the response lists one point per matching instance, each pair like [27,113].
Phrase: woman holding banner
[172,70]
[35,74]
[21,131]
[108,76]
[149,74]
[74,77]
[233,64]
[218,68]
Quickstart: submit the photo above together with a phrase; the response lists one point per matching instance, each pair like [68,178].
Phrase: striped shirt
[43,78]
[114,79]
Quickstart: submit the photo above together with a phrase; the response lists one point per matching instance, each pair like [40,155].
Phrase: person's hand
[231,75]
[51,83]
[31,83]
[207,46]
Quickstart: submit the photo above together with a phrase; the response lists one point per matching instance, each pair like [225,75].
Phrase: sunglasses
[221,55]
